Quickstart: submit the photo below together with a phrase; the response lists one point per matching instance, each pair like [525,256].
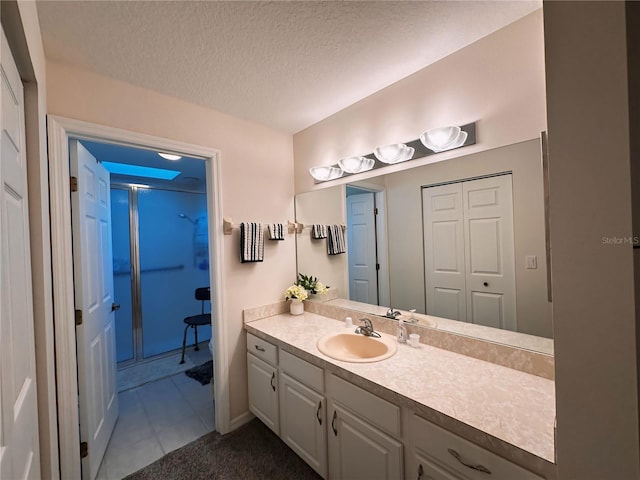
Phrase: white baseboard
[240,420]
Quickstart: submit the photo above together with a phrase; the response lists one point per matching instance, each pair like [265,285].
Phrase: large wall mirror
[461,241]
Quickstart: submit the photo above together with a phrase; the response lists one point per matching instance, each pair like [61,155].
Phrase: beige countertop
[515,407]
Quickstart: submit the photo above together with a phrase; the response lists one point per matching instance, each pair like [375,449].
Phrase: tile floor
[154,419]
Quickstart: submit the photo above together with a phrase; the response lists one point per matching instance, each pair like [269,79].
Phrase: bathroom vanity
[423,413]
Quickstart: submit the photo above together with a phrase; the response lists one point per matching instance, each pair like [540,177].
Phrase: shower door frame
[136,272]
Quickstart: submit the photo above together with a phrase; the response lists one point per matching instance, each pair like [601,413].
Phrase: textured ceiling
[285,64]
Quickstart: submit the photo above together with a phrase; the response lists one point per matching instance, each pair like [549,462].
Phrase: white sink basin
[356,348]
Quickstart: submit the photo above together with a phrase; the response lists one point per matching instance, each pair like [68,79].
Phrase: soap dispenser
[402,332]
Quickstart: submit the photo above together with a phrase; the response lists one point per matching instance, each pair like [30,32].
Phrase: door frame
[59,130]
[382,245]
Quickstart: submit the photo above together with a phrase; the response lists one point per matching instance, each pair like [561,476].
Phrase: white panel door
[93,278]
[444,251]
[489,252]
[361,245]
[19,444]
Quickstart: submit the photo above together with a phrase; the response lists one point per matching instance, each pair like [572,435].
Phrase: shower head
[187,217]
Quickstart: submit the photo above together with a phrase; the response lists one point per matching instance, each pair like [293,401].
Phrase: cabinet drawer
[374,409]
[450,451]
[262,349]
[302,371]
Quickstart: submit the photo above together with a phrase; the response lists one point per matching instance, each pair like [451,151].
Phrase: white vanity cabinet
[361,434]
[303,409]
[262,371]
[437,454]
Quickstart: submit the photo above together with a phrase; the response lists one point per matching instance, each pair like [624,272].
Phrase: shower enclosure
[160,256]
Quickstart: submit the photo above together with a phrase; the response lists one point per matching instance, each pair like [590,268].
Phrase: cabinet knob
[486,284]
[259,348]
[318,412]
[273,378]
[420,472]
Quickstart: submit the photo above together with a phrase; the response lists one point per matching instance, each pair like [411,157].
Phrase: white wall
[256,175]
[497,82]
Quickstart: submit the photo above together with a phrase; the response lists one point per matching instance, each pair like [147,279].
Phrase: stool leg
[196,329]
[184,343]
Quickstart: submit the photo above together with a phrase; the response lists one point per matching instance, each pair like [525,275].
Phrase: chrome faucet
[367,329]
[391,313]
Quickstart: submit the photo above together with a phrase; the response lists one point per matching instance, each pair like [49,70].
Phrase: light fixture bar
[419,151]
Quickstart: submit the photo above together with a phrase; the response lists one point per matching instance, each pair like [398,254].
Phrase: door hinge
[78,317]
[84,449]
[73,181]
[375,210]
[377,266]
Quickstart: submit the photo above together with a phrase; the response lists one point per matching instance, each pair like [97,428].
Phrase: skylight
[139,171]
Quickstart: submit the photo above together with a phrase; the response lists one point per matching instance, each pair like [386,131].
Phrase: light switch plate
[532,262]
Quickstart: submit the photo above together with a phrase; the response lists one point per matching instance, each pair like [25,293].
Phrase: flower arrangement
[311,284]
[296,291]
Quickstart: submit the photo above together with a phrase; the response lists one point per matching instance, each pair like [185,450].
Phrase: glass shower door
[122,273]
[173,263]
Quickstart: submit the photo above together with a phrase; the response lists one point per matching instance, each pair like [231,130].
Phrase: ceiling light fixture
[394,153]
[356,164]
[324,174]
[169,156]
[443,138]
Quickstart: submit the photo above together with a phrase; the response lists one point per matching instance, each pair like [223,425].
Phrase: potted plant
[311,284]
[296,294]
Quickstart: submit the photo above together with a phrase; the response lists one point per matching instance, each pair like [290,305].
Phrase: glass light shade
[356,164]
[324,174]
[393,153]
[443,138]
[169,156]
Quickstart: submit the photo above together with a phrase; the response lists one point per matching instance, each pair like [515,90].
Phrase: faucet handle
[367,323]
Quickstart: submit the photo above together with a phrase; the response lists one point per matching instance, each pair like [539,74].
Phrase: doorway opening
[60,133]
[367,244]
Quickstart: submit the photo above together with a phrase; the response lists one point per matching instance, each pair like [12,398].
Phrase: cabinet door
[263,392]
[303,422]
[358,450]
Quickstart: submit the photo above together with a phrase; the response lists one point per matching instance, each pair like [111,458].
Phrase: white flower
[295,291]
[320,288]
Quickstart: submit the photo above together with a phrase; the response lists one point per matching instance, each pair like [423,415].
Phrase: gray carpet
[250,452]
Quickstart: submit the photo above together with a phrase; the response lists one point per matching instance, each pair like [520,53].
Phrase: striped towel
[276,231]
[335,240]
[251,242]
[318,231]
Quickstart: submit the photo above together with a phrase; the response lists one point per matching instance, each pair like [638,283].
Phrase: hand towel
[251,242]
[276,231]
[318,231]
[335,240]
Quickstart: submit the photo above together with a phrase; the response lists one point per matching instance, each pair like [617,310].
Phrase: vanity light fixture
[394,153]
[324,174]
[169,156]
[430,142]
[443,138]
[356,164]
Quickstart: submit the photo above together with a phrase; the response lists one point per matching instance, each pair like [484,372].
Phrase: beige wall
[324,207]
[404,212]
[497,82]
[590,198]
[257,184]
